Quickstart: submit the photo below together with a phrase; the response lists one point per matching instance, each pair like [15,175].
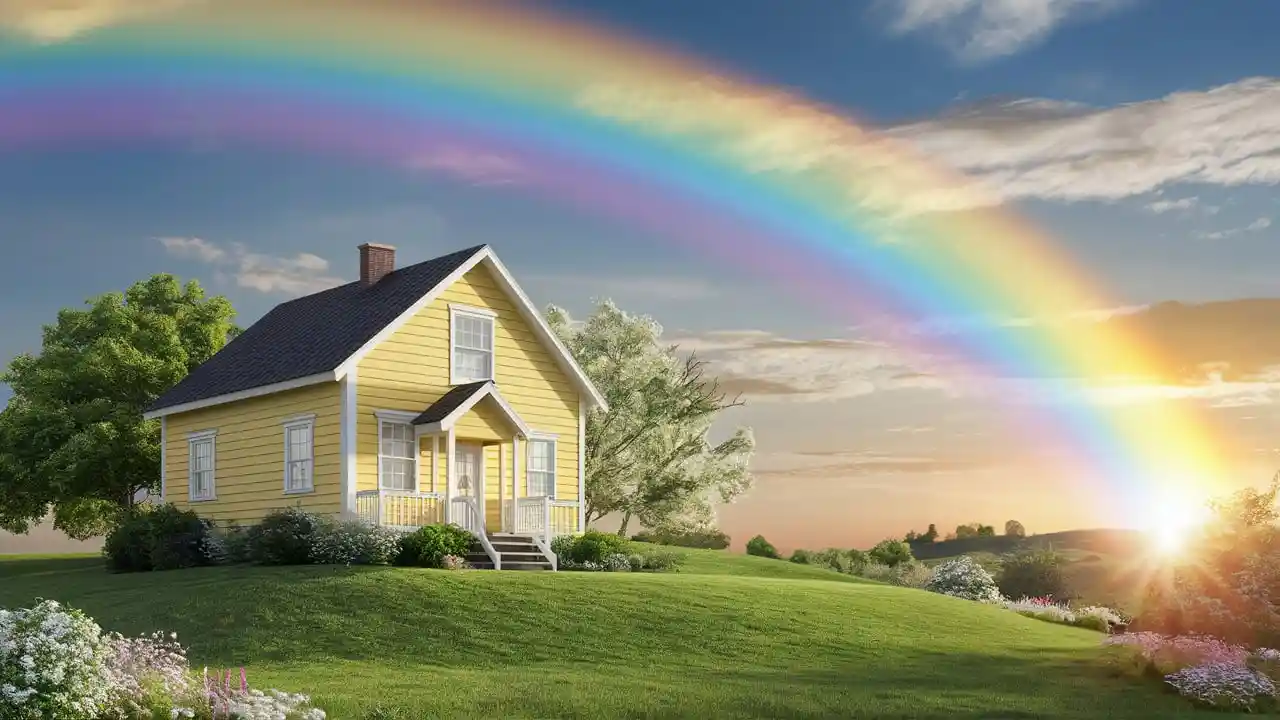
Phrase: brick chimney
[376,261]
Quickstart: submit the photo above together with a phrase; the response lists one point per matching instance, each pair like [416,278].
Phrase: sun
[1172,520]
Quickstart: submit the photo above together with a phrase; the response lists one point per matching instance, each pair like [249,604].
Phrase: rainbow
[833,211]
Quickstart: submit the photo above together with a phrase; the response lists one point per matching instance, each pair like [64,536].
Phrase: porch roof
[445,412]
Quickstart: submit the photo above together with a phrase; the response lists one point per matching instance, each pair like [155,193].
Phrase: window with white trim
[299,455]
[396,455]
[540,471]
[471,346]
[200,463]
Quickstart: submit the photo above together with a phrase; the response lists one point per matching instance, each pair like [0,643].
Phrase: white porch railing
[465,513]
[399,509]
[542,519]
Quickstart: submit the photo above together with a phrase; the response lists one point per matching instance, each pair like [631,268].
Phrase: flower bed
[1208,671]
[56,662]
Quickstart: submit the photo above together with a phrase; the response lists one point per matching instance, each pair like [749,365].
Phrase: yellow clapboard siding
[410,370]
[249,454]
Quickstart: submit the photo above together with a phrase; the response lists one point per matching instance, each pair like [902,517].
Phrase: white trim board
[316,379]
[489,390]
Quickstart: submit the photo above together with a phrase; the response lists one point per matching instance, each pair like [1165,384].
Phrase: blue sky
[1128,129]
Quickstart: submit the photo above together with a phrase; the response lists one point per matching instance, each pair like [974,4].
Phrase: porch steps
[517,552]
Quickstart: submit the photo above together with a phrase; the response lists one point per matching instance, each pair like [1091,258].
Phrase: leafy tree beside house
[72,438]
[649,458]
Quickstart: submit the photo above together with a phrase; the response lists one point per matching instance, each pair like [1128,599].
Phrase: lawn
[728,637]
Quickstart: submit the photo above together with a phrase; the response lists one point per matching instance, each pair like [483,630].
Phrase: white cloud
[978,30]
[1007,151]
[300,274]
[1227,135]
[193,247]
[1164,206]
[58,20]
[1258,225]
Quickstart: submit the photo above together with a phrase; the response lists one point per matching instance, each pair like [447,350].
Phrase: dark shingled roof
[313,334]
[449,402]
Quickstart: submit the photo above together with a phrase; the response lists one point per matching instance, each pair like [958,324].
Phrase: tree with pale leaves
[72,438]
[649,458]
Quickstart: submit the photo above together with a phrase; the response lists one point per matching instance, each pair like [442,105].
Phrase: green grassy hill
[728,637]
[1104,567]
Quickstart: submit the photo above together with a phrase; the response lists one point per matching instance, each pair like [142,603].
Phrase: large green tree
[72,438]
[650,458]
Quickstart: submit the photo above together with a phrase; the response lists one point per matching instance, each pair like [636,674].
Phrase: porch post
[449,483]
[515,468]
[502,485]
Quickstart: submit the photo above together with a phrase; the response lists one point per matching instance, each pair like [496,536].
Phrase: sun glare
[1172,521]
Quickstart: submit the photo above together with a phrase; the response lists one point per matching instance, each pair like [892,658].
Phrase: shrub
[708,539]
[235,543]
[849,562]
[427,546]
[160,538]
[1225,686]
[909,574]
[801,556]
[1033,573]
[52,664]
[594,546]
[284,537]
[891,552]
[964,578]
[353,542]
[760,547]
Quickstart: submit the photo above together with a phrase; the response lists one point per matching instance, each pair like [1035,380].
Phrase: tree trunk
[622,529]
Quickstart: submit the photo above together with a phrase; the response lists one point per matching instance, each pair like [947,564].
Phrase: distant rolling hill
[1069,542]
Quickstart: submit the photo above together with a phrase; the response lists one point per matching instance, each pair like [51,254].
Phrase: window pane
[397,453]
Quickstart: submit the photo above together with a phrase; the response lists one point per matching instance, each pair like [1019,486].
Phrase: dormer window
[470,344]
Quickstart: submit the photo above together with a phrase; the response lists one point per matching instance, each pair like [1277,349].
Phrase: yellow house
[430,393]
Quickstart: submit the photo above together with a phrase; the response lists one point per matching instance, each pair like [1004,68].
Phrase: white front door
[468,473]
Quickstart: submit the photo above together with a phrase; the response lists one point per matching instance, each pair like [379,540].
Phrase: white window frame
[307,422]
[400,417]
[533,440]
[199,438]
[475,313]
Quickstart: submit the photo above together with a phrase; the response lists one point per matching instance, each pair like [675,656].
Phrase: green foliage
[1034,572]
[973,530]
[801,556]
[706,538]
[163,538]
[655,561]
[284,537]
[428,546]
[911,573]
[930,535]
[890,552]
[760,547]
[594,546]
[1013,528]
[72,438]
[649,458]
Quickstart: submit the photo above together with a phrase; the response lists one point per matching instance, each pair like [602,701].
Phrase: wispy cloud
[474,166]
[299,274]
[58,20]
[978,30]
[1160,207]
[1004,151]
[1258,225]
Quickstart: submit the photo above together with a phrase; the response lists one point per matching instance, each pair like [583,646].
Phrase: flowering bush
[617,562]
[1094,617]
[964,578]
[353,542]
[56,662]
[52,664]
[454,562]
[912,573]
[1224,685]
[1207,670]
